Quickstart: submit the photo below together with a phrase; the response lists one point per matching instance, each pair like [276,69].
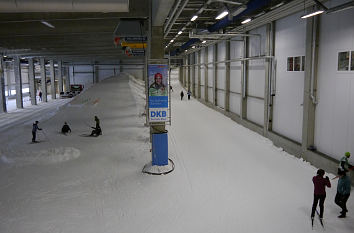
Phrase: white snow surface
[226,177]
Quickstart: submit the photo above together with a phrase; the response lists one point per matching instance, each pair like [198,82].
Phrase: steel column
[215,78]
[206,82]
[227,78]
[244,72]
[199,73]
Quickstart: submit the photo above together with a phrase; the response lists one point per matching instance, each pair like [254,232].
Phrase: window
[343,61]
[296,63]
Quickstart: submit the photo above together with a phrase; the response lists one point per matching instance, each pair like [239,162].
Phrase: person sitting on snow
[65,129]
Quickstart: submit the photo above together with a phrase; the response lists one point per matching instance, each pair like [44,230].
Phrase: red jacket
[320,184]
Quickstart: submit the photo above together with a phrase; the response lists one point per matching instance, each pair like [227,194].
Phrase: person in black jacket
[65,129]
[34,131]
[182,94]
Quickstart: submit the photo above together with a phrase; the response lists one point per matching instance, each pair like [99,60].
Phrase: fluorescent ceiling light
[193,47]
[312,14]
[47,24]
[179,33]
[222,15]
[171,41]
[194,18]
[204,41]
[5,56]
[246,21]
[185,50]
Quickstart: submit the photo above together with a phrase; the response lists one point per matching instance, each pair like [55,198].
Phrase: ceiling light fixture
[171,41]
[312,14]
[194,18]
[204,41]
[222,14]
[179,33]
[193,47]
[246,21]
[47,24]
[5,56]
[185,50]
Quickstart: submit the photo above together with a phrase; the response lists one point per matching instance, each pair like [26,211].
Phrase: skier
[189,94]
[171,89]
[96,130]
[182,94]
[320,184]
[40,95]
[344,164]
[343,193]
[34,131]
[65,129]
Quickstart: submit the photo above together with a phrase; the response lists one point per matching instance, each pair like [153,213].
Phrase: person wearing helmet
[320,184]
[344,164]
[157,88]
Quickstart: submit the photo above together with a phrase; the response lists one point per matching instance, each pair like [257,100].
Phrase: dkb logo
[158,114]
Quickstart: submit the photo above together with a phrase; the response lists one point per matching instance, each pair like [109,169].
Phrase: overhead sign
[158,92]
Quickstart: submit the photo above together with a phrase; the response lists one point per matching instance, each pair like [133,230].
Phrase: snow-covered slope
[227,178]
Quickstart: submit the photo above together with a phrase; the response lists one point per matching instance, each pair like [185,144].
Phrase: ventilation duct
[13,6]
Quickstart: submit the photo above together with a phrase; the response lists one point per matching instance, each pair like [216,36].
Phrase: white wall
[256,77]
[202,74]
[290,41]
[136,71]
[221,74]
[85,78]
[334,129]
[210,74]
[236,51]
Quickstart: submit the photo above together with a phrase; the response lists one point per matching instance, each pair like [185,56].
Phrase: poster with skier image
[158,92]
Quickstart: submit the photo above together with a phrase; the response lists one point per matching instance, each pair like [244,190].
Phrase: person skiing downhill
[34,130]
[343,193]
[320,184]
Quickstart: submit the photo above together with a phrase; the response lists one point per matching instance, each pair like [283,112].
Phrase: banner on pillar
[158,92]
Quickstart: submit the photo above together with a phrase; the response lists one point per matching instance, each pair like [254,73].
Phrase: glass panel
[290,64]
[303,63]
[352,63]
[343,61]
[297,63]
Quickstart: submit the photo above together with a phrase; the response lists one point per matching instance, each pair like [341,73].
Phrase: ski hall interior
[272,77]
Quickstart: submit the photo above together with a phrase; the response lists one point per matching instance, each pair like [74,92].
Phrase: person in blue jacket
[343,193]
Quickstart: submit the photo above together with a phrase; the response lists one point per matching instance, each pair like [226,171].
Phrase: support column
[308,125]
[199,73]
[67,79]
[2,87]
[215,82]
[52,80]
[18,80]
[184,71]
[43,81]
[60,76]
[227,78]
[268,107]
[32,83]
[97,79]
[8,78]
[206,88]
[189,72]
[244,82]
[193,74]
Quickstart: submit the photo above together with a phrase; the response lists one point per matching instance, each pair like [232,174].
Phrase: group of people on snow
[66,129]
[189,93]
[343,188]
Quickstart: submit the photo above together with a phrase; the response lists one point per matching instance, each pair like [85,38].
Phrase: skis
[321,220]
